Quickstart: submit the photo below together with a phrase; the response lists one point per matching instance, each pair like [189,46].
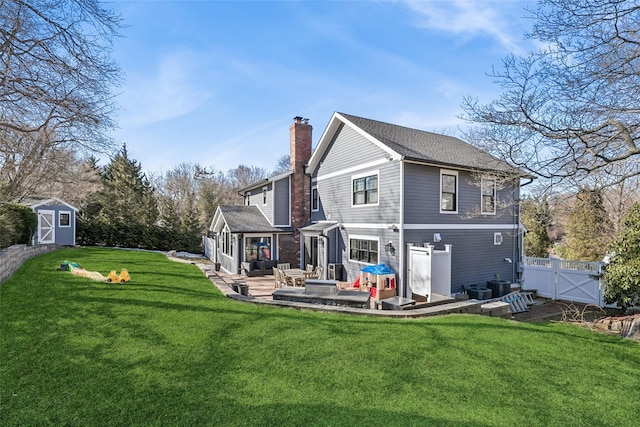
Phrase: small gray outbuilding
[56,222]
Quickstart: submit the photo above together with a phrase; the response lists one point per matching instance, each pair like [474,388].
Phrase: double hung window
[363,250]
[315,201]
[488,196]
[448,191]
[365,190]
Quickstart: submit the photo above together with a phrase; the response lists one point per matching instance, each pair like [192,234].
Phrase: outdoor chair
[284,266]
[309,268]
[318,272]
[277,279]
[283,279]
[308,275]
[289,281]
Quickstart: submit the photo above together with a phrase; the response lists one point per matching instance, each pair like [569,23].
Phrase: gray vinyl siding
[352,268]
[336,246]
[256,200]
[336,195]
[347,152]
[227,264]
[281,203]
[474,257]
[231,264]
[422,198]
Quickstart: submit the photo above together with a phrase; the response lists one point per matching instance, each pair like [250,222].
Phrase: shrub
[17,224]
[621,276]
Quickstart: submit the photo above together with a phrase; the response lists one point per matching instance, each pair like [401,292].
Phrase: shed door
[46,227]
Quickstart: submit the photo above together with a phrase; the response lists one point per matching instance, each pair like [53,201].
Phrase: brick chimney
[300,153]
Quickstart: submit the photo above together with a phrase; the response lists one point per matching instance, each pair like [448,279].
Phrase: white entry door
[46,227]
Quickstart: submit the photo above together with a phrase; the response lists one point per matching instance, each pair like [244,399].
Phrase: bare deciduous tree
[283,165]
[56,78]
[571,109]
[244,175]
[29,163]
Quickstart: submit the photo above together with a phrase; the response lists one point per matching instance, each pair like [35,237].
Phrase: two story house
[367,194]
[378,189]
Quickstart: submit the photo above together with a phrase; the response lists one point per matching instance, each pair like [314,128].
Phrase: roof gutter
[462,168]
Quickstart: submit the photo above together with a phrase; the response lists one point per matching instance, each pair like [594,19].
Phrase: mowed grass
[169,349]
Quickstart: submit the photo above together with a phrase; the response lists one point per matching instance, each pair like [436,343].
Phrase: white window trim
[497,239]
[246,236]
[449,172]
[64,212]
[264,196]
[315,188]
[247,198]
[361,237]
[364,175]
[495,195]
[226,232]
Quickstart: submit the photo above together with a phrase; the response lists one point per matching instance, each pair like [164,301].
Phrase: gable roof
[244,219]
[37,202]
[403,143]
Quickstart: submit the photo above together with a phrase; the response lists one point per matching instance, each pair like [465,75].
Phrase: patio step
[496,309]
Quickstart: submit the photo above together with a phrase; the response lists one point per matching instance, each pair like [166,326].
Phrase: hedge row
[155,237]
[18,224]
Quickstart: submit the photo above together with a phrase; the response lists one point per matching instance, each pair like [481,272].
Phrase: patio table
[295,274]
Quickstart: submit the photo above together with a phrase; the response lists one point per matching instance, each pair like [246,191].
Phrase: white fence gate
[563,280]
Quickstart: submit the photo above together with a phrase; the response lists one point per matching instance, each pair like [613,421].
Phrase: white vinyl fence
[209,247]
[563,280]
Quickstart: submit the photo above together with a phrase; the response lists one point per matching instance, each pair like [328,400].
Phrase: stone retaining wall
[11,258]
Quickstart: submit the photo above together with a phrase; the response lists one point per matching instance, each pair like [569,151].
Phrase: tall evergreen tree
[124,212]
[127,196]
[588,229]
[536,217]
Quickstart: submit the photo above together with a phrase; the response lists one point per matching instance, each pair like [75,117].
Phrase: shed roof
[319,227]
[36,202]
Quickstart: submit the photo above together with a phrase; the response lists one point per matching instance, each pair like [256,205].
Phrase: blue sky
[218,82]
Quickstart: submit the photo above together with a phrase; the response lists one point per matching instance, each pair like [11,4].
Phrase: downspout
[301,251]
[239,251]
[325,245]
[401,246]
[518,247]
[275,254]
[516,232]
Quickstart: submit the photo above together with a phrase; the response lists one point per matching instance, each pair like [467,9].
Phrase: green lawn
[169,349]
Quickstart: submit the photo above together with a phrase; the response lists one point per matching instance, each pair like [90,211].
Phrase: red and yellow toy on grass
[123,277]
[113,277]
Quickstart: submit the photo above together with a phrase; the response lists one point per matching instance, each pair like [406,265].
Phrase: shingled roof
[247,219]
[423,146]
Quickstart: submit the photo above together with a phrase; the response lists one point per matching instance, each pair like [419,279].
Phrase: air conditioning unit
[334,272]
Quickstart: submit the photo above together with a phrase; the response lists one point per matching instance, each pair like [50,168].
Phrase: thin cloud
[472,18]
[171,90]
